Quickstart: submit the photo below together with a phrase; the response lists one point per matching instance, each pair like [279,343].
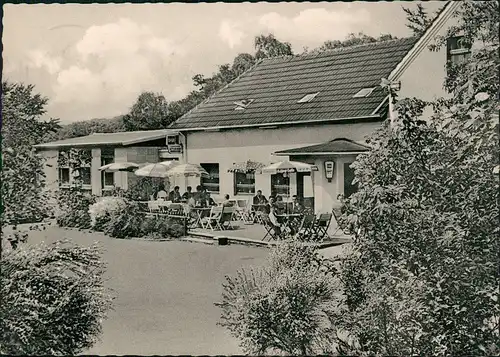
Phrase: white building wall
[228,147]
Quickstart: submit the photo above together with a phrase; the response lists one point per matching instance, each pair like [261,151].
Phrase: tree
[242,63]
[353,40]
[283,307]
[87,127]
[22,177]
[150,111]
[270,46]
[423,275]
[418,20]
[53,299]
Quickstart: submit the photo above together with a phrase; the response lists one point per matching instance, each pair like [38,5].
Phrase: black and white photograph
[250,178]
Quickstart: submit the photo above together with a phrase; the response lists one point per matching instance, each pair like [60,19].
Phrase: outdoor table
[289,220]
[200,212]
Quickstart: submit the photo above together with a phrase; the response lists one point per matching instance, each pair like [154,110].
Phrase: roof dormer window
[243,104]
[365,92]
[308,97]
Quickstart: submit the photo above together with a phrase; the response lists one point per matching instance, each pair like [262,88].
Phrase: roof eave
[319,153]
[264,125]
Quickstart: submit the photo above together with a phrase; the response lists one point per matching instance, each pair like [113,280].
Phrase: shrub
[284,307]
[162,227]
[74,206]
[143,188]
[101,211]
[125,223]
[54,299]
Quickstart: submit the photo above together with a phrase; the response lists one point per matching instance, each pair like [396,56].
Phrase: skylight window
[243,104]
[365,92]
[308,97]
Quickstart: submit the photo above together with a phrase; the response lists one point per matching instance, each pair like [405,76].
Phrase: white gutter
[265,125]
[320,153]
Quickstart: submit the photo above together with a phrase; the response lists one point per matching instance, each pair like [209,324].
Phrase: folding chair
[212,221]
[243,211]
[321,225]
[336,215]
[226,217]
[272,231]
[307,226]
[154,207]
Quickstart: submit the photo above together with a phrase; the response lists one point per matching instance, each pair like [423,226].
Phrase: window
[107,157]
[457,50]
[244,183]
[365,92]
[280,184]
[308,97]
[63,176]
[85,175]
[243,104]
[63,166]
[349,187]
[211,183]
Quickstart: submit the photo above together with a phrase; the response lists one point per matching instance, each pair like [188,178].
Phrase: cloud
[114,63]
[315,26]
[41,59]
[230,33]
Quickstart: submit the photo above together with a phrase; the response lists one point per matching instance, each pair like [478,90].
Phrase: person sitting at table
[259,198]
[279,205]
[209,200]
[274,220]
[198,197]
[227,202]
[175,196]
[188,194]
[296,206]
[161,194]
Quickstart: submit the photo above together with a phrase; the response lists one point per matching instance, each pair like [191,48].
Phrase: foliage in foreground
[74,206]
[283,307]
[53,299]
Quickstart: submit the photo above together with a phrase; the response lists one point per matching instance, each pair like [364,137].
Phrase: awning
[340,146]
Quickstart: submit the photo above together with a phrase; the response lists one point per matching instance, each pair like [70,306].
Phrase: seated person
[161,194]
[259,198]
[274,221]
[279,205]
[175,196]
[188,194]
[199,198]
[209,200]
[227,202]
[296,206]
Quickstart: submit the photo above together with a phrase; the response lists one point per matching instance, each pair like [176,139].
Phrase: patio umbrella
[187,170]
[288,167]
[119,166]
[159,169]
[246,166]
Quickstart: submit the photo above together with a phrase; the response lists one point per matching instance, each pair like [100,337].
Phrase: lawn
[165,293]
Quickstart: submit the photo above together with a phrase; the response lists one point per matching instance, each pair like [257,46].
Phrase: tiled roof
[103,139]
[340,145]
[276,84]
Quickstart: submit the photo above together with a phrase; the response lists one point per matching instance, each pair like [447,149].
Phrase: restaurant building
[316,108]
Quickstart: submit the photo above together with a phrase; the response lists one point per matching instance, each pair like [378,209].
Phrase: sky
[92,61]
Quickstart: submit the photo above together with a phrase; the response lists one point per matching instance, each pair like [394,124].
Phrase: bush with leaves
[101,211]
[144,188]
[283,307]
[54,299]
[426,216]
[126,223]
[162,227]
[74,206]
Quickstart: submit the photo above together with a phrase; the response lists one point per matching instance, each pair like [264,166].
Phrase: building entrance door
[305,189]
